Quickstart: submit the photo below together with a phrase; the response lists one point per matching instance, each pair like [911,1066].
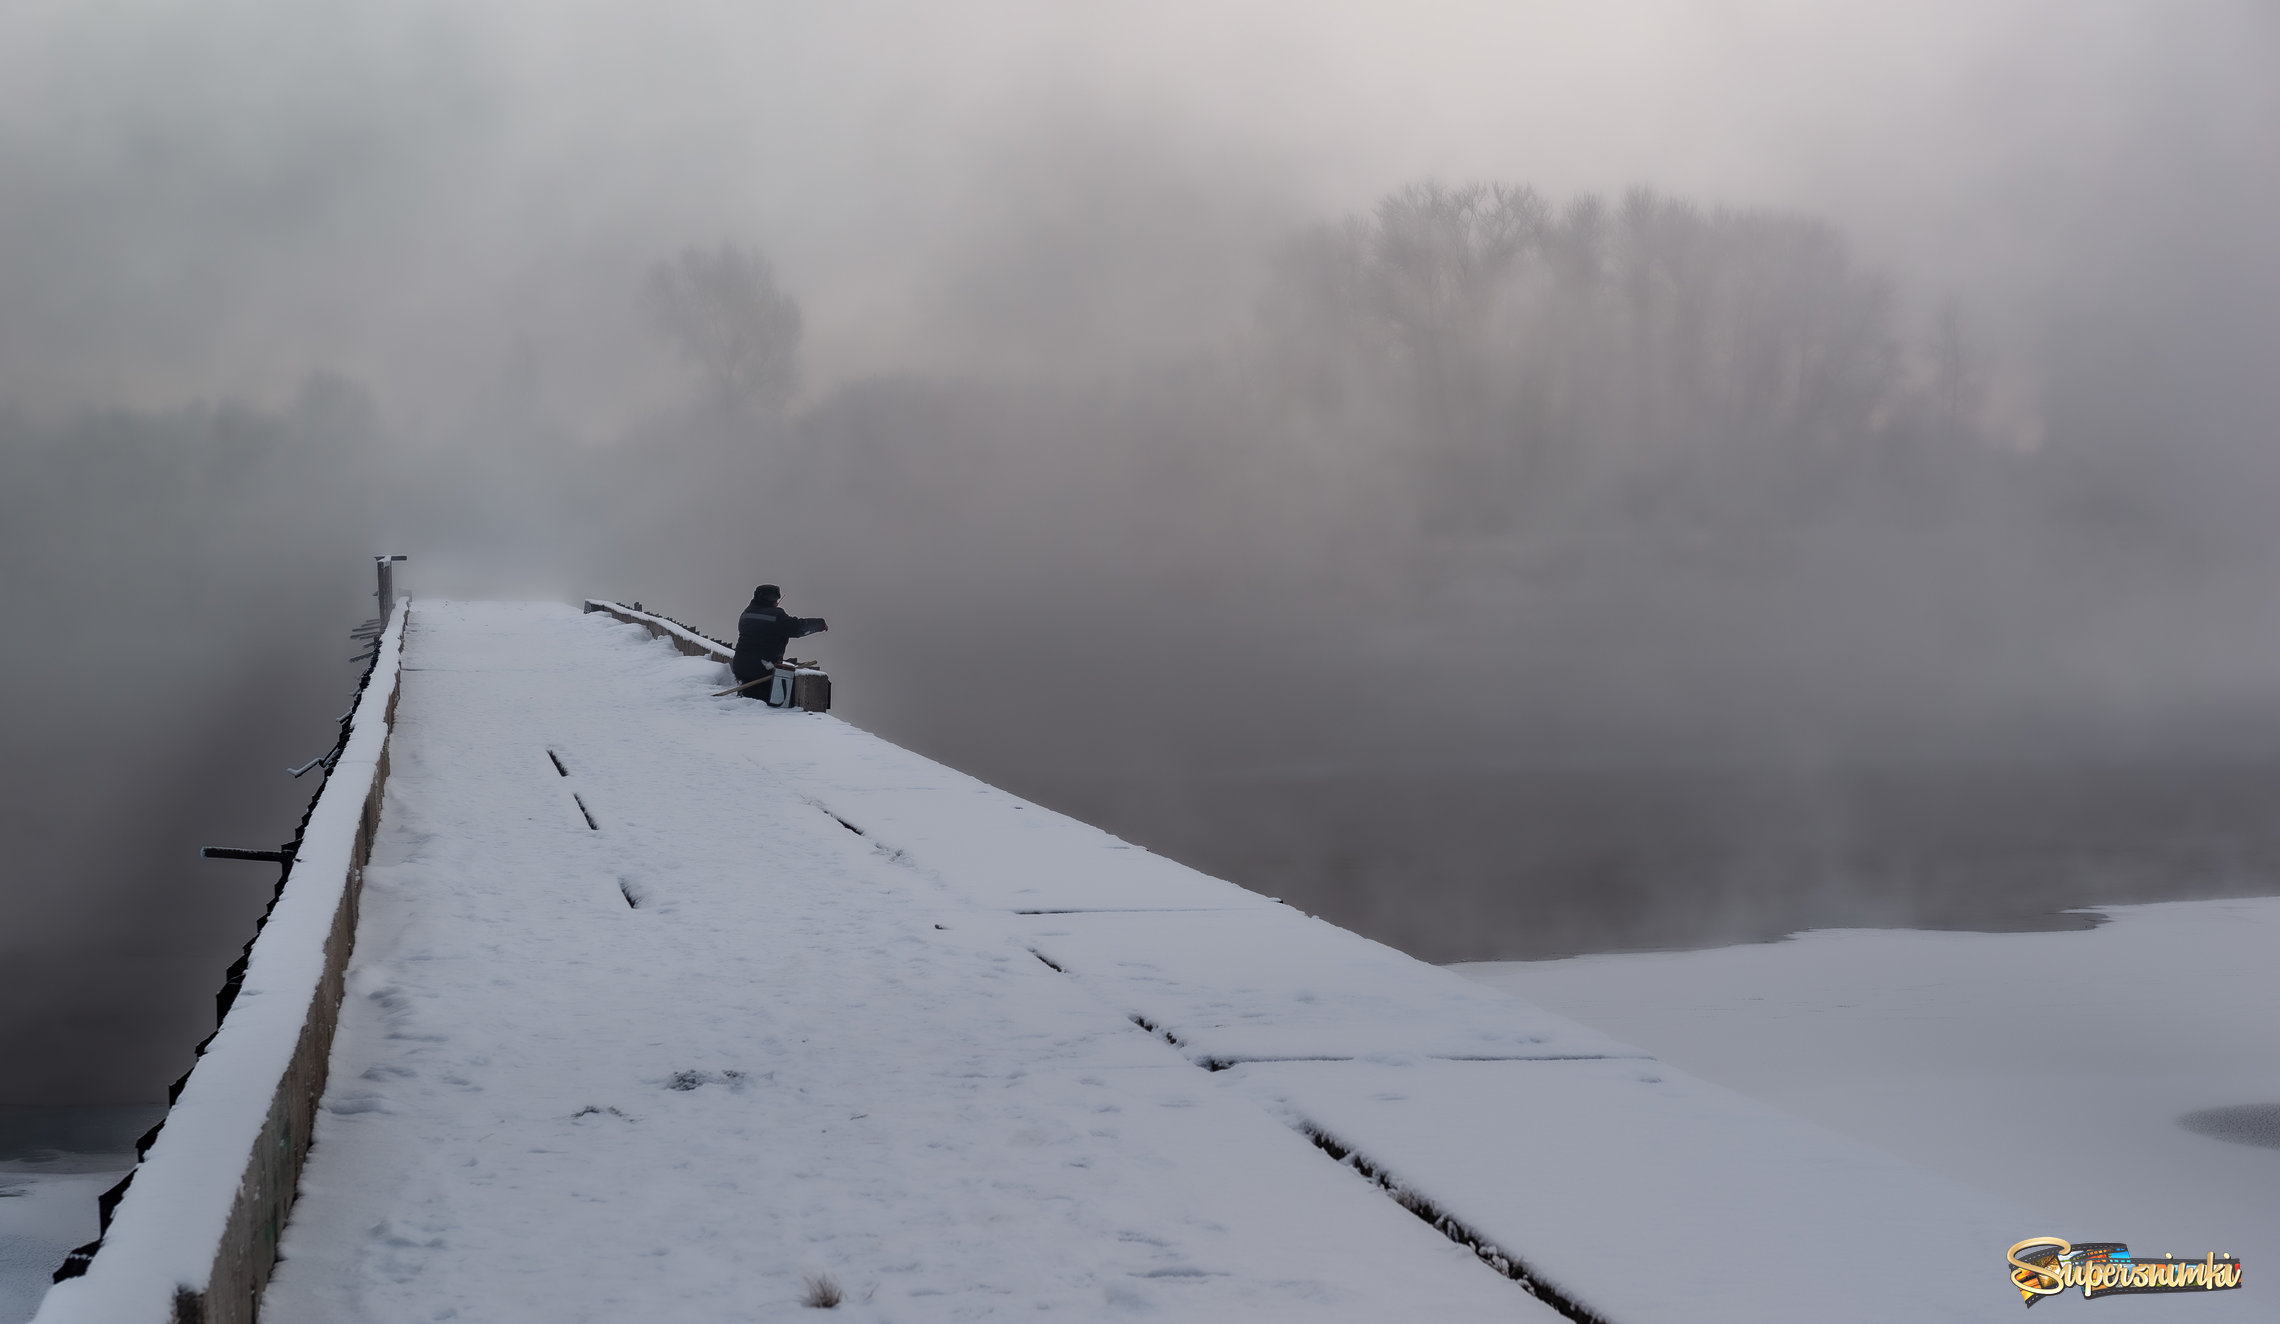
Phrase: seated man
[761,633]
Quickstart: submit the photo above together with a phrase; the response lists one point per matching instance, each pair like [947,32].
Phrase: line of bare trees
[1652,359]
[1510,370]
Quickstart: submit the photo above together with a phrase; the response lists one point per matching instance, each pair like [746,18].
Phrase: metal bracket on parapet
[241,853]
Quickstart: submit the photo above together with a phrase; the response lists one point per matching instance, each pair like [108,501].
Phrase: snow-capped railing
[665,627]
[811,686]
[194,1237]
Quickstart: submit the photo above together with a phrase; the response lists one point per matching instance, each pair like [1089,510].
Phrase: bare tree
[1442,257]
[725,314]
[1589,366]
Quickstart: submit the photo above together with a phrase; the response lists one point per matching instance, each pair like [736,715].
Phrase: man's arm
[803,626]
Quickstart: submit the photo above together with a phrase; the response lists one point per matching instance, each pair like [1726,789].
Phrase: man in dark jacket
[761,633]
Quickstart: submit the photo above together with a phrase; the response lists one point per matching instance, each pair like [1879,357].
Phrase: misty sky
[284,285]
[438,199]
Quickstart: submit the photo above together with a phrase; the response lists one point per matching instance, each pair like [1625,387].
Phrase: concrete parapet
[192,1235]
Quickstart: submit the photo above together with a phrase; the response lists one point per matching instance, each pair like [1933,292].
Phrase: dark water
[1524,864]
[65,1139]
[1516,863]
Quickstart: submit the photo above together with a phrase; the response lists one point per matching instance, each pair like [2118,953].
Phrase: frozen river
[2125,1079]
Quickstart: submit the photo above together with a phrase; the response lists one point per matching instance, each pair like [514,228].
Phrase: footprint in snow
[689,1080]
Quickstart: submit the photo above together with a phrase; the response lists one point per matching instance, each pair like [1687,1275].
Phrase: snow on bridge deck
[801,1002]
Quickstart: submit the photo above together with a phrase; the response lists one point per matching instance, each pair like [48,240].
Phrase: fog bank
[1314,440]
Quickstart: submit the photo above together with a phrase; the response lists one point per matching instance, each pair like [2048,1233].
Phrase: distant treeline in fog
[1591,453]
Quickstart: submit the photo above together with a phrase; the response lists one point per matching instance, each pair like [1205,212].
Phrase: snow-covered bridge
[667,1006]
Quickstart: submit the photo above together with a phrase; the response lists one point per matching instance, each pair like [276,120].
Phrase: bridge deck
[661,1003]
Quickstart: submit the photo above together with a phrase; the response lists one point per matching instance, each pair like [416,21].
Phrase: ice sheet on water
[54,1163]
[2125,1077]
